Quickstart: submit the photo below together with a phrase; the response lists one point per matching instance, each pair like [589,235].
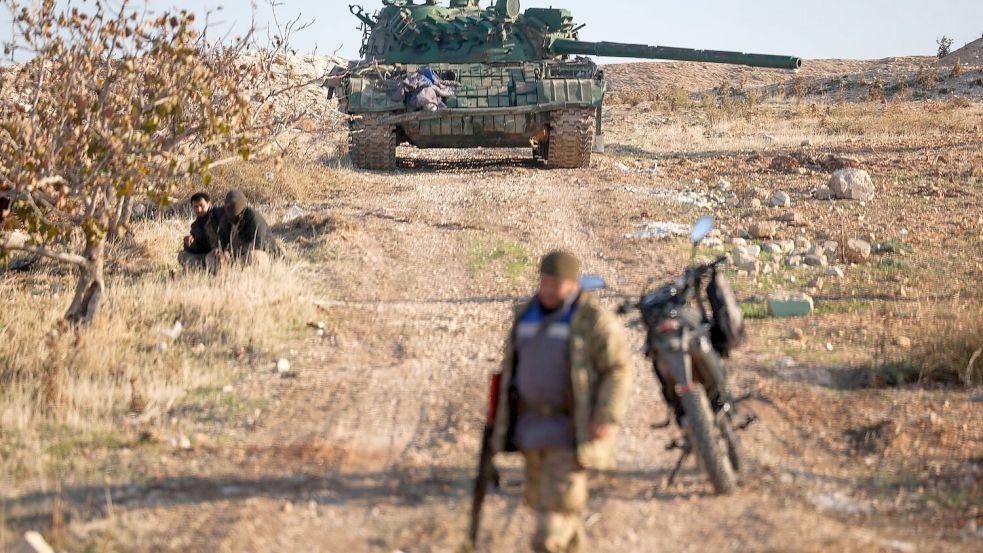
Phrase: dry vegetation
[420,268]
[58,378]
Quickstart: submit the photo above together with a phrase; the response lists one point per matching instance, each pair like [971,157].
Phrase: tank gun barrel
[566,46]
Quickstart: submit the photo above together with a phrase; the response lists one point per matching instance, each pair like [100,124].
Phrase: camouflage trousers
[556,488]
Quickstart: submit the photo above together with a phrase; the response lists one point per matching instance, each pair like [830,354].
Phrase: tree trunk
[88,292]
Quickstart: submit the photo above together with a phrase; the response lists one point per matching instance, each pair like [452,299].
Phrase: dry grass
[57,377]
[952,350]
[278,183]
[736,124]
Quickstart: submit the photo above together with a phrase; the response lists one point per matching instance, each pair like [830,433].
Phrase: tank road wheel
[571,138]
[373,143]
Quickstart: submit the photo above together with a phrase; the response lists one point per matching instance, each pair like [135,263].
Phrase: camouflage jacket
[600,377]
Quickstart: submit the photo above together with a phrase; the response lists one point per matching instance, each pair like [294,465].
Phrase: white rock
[780,199]
[835,272]
[293,214]
[753,250]
[773,248]
[763,229]
[184,443]
[787,245]
[852,184]
[31,542]
[823,193]
[754,204]
[174,332]
[283,366]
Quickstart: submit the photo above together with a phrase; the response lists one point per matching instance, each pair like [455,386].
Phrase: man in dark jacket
[201,245]
[245,235]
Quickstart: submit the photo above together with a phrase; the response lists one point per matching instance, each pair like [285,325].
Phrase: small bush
[927,77]
[957,70]
[953,350]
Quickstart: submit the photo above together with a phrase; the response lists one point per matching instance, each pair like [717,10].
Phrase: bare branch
[18,242]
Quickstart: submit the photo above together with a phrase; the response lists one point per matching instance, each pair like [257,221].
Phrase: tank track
[373,144]
[571,138]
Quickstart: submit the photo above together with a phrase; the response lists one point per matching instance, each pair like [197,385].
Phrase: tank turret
[521,78]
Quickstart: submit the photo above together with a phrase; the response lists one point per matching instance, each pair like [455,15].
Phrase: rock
[814,260]
[830,247]
[903,342]
[793,261]
[817,283]
[797,334]
[722,185]
[753,250]
[283,366]
[806,143]
[852,184]
[754,203]
[759,193]
[835,272]
[293,214]
[787,245]
[763,229]
[802,243]
[31,542]
[780,199]
[856,251]
[749,266]
[785,304]
[976,398]
[738,242]
[713,243]
[773,248]
[184,443]
[823,193]
[793,218]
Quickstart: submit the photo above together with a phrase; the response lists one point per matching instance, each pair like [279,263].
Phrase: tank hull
[502,105]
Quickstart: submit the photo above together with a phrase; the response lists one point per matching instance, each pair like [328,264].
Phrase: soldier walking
[565,378]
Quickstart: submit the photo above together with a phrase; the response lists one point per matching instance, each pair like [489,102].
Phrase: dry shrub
[957,70]
[927,77]
[80,377]
[800,88]
[952,351]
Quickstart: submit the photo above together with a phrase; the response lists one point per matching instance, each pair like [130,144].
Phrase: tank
[520,79]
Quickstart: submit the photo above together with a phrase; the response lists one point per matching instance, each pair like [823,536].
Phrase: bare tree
[117,101]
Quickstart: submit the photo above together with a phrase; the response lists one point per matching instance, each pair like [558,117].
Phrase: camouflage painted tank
[519,77]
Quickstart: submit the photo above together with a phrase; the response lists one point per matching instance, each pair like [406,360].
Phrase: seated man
[201,246]
[245,235]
